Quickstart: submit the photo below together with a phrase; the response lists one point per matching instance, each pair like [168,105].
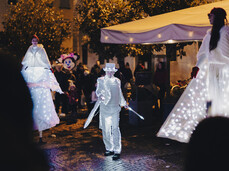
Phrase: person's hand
[101,98]
[126,106]
[194,72]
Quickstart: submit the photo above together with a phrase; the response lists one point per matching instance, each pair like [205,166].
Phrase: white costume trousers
[109,123]
[112,140]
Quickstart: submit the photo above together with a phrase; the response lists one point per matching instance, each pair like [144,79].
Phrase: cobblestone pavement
[70,147]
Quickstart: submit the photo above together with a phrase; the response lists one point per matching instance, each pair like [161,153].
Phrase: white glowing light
[190,33]
[159,36]
[171,41]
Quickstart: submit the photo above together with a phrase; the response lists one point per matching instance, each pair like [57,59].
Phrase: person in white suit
[109,92]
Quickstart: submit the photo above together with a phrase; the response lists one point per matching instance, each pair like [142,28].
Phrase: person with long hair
[210,83]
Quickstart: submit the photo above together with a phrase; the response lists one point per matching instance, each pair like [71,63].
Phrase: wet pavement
[70,147]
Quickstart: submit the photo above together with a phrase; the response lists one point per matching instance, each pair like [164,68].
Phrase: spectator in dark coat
[160,80]
[61,99]
[88,84]
[96,69]
[79,75]
[73,98]
[139,68]
[128,73]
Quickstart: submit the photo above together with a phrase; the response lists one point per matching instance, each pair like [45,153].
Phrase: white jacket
[110,90]
[103,89]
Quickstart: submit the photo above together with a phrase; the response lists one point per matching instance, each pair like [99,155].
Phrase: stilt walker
[40,80]
[210,83]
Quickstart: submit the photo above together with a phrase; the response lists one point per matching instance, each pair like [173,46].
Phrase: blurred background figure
[79,75]
[160,80]
[139,68]
[94,98]
[127,73]
[96,69]
[17,148]
[61,99]
[208,147]
[73,98]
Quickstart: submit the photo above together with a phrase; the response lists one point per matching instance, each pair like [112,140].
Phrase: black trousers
[61,99]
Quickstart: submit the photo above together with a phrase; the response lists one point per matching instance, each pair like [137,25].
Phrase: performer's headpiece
[110,67]
[35,36]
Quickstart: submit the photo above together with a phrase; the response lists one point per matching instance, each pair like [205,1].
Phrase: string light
[159,36]
[131,39]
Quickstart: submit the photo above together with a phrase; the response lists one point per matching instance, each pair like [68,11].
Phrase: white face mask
[69,64]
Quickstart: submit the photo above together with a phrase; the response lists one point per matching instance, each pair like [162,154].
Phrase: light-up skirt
[211,84]
[41,81]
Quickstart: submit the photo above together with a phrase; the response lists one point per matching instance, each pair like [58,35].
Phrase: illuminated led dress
[40,79]
[211,84]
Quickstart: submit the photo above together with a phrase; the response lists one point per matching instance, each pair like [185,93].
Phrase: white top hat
[110,67]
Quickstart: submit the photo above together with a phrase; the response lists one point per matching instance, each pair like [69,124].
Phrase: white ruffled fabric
[40,79]
[36,57]
[211,84]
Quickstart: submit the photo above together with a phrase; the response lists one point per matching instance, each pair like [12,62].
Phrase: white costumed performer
[210,84]
[110,93]
[40,80]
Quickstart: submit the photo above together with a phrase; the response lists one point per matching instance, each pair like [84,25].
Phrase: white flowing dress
[40,79]
[211,84]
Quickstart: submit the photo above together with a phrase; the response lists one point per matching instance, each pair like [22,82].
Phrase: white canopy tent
[184,25]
